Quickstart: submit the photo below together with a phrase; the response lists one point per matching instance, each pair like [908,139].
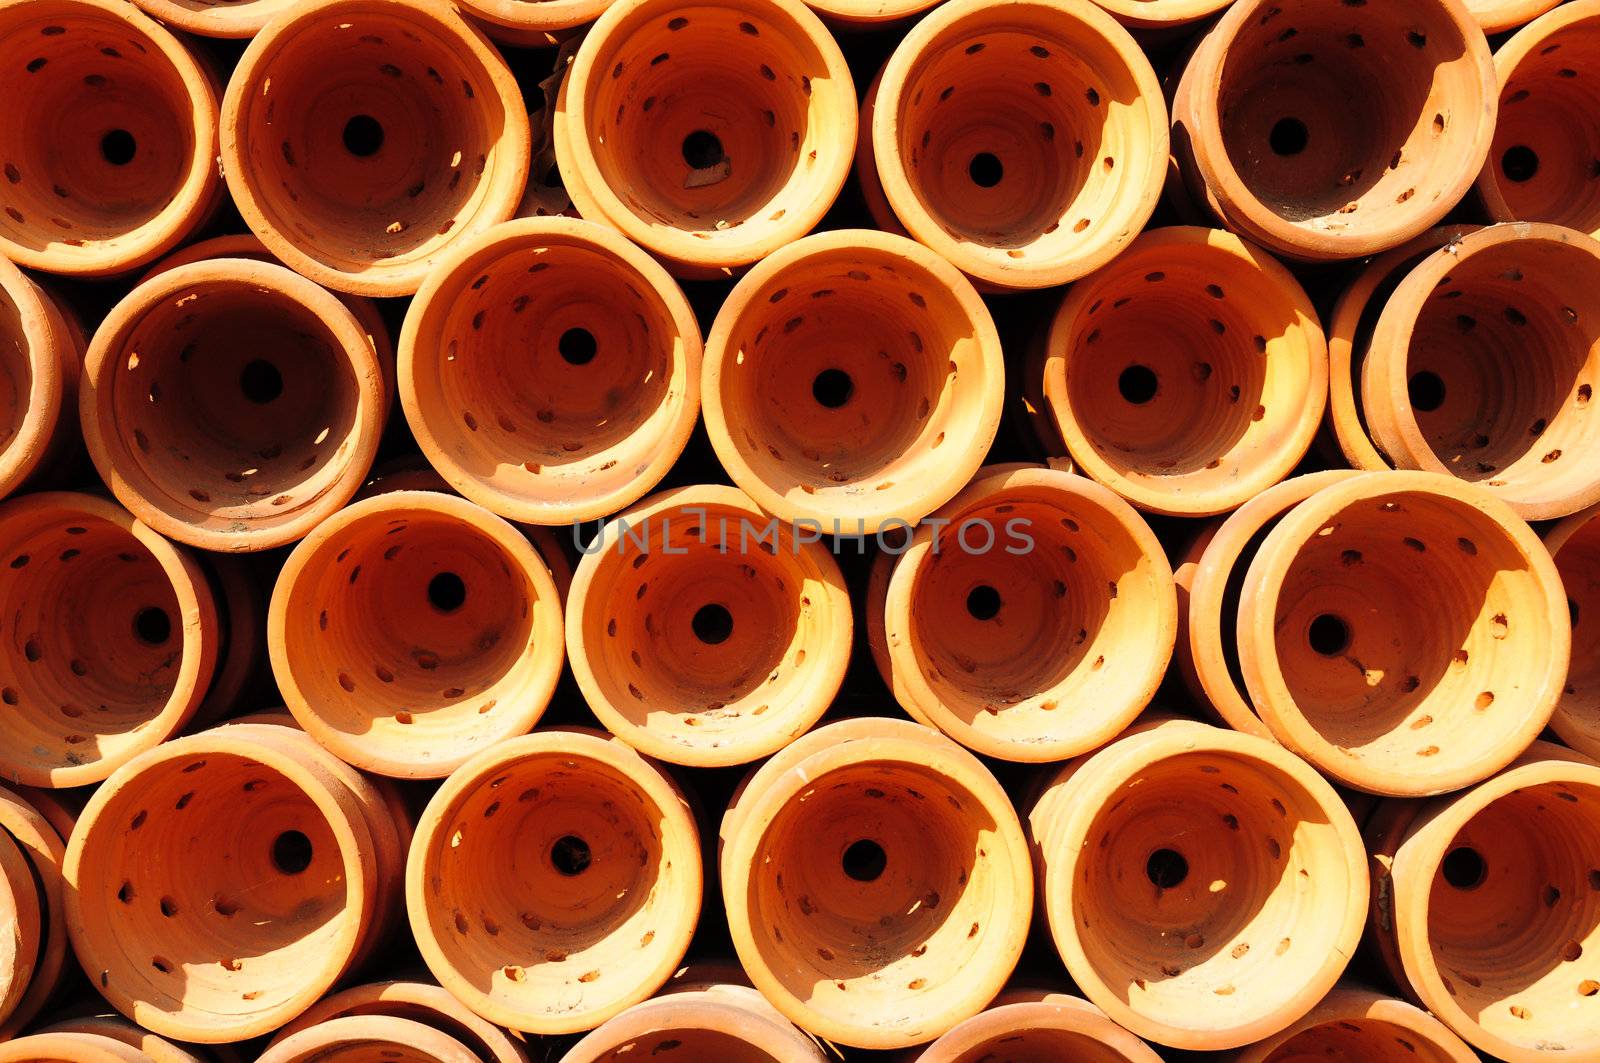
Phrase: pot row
[362,140]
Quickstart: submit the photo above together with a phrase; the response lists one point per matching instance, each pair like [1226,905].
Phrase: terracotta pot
[228,942]
[109,146]
[476,661]
[241,659]
[112,638]
[1204,887]
[362,138]
[69,1048]
[247,446]
[876,883]
[551,370]
[1328,131]
[41,347]
[704,633]
[857,15]
[1024,142]
[21,925]
[855,379]
[606,858]
[711,138]
[1574,543]
[1190,374]
[1032,618]
[1404,632]
[1161,14]
[1034,1025]
[30,981]
[1541,167]
[360,1038]
[1354,1023]
[725,1023]
[1498,16]
[1484,900]
[531,25]
[1433,385]
[150,1048]
[419,1002]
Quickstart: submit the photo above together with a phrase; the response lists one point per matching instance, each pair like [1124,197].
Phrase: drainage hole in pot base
[702,150]
[363,135]
[1137,384]
[291,852]
[1464,868]
[1166,868]
[864,860]
[118,147]
[152,625]
[985,170]
[446,592]
[1519,163]
[577,346]
[832,388]
[983,602]
[1329,635]
[1426,390]
[712,624]
[570,855]
[1289,136]
[260,381]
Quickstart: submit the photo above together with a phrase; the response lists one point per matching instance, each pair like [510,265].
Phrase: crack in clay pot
[1353,1023]
[363,1038]
[696,1020]
[1033,1026]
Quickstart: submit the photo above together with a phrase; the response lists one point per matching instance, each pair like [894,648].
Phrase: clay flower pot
[704,633]
[600,860]
[1497,16]
[232,404]
[705,1021]
[361,1038]
[550,370]
[21,925]
[1574,543]
[855,379]
[35,955]
[295,882]
[1190,374]
[69,1048]
[41,348]
[1024,142]
[1404,632]
[1353,1023]
[420,1002]
[851,15]
[1204,887]
[876,882]
[1161,14]
[474,656]
[531,25]
[109,148]
[1328,131]
[112,638]
[1483,902]
[1506,302]
[1035,624]
[362,138]
[711,138]
[1542,164]
[151,1049]
[235,18]
[1036,1025]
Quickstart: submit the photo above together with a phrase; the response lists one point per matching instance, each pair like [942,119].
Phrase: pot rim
[697,1009]
[1052,1011]
[370,997]
[1348,1001]
[319,1042]
[49,352]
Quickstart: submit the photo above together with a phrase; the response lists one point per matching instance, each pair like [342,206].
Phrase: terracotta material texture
[710,137]
[474,663]
[850,15]
[21,927]
[419,1002]
[211,18]
[876,883]
[550,370]
[597,859]
[1575,545]
[1161,14]
[41,348]
[1188,375]
[703,633]
[69,1048]
[1486,906]
[34,957]
[102,1028]
[109,144]
[1024,142]
[532,24]
[361,1038]
[853,376]
[1497,16]
[362,138]
[699,1021]
[231,404]
[1358,1024]
[1035,624]
[1037,1027]
[1350,135]
[1251,883]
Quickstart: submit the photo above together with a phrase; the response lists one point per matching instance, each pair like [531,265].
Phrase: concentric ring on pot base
[44,850]
[1497,16]
[711,135]
[1483,364]
[725,1023]
[232,404]
[361,1038]
[551,370]
[363,137]
[110,641]
[1358,1024]
[1574,543]
[41,349]
[703,632]
[1037,623]
[1406,633]
[1329,131]
[108,150]
[412,630]
[554,881]
[1036,1027]
[1024,142]
[855,377]
[1204,887]
[420,1002]
[1188,375]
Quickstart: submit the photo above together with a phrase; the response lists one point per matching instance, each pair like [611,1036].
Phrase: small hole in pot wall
[1427,391]
[864,860]
[832,388]
[983,602]
[570,855]
[1519,163]
[985,170]
[712,624]
[118,147]
[291,852]
[702,149]
[577,346]
[363,135]
[1289,136]
[152,625]
[1464,868]
[447,592]
[260,381]
[1138,384]
[1166,868]
[1329,635]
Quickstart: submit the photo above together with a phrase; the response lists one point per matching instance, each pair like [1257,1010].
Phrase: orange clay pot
[1161,14]
[1404,632]
[1036,623]
[231,404]
[41,347]
[109,143]
[295,883]
[21,926]
[30,978]
[1204,887]
[362,138]
[475,662]
[1358,1024]
[710,137]
[112,638]
[550,370]
[420,1002]
[876,883]
[1486,903]
[1190,374]
[69,1048]
[150,1048]
[1574,543]
[1498,16]
[1508,302]
[1025,142]
[1545,162]
[704,633]
[525,24]
[1037,1027]
[598,859]
[362,1038]
[708,1021]
[1328,131]
[209,18]
[857,15]
[853,378]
